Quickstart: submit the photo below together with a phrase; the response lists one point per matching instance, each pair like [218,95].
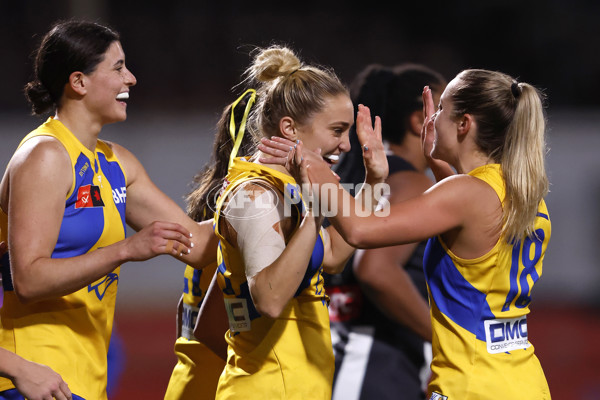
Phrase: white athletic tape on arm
[259,243]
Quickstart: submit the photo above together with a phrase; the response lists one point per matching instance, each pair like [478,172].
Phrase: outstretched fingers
[428,119]
[369,136]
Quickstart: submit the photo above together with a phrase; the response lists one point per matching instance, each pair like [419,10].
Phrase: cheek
[436,128]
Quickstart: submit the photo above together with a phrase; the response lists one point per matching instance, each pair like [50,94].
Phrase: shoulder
[252,198]
[132,166]
[40,161]
[256,203]
[466,192]
[41,152]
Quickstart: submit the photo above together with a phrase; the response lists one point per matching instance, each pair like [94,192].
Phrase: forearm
[10,364]
[399,300]
[339,252]
[178,318]
[154,205]
[352,213]
[205,242]
[212,322]
[46,278]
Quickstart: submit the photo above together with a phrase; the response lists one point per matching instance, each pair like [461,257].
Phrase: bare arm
[34,381]
[212,323]
[178,318]
[273,287]
[146,203]
[274,268]
[380,271]
[42,167]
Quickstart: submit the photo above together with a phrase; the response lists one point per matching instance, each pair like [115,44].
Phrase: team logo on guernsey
[438,396]
[89,196]
[101,287]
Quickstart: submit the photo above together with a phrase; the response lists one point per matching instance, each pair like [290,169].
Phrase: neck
[276,167]
[81,124]
[471,161]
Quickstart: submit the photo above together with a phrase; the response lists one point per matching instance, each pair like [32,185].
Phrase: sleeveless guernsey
[481,348]
[71,333]
[285,358]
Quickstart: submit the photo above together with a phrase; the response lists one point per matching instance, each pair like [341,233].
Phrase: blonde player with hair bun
[273,251]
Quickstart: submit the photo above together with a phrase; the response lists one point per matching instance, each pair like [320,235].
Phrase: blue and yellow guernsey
[71,333]
[197,371]
[481,348]
[290,357]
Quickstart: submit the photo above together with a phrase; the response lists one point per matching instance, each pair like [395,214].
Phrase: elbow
[334,269]
[24,288]
[24,293]
[268,304]
[354,232]
[356,237]
[271,308]
[268,301]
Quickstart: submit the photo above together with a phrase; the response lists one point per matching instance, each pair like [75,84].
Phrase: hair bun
[39,97]
[274,62]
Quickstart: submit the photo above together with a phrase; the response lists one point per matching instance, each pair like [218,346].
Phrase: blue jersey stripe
[454,296]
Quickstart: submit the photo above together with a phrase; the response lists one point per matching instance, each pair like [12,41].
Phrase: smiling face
[108,86]
[328,129]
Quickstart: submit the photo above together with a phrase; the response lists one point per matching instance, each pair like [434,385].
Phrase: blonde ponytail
[511,131]
[523,164]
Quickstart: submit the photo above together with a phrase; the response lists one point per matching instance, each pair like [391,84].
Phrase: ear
[464,124]
[287,127]
[77,83]
[415,122]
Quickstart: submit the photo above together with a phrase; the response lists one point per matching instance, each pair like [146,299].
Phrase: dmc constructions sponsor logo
[508,334]
[258,199]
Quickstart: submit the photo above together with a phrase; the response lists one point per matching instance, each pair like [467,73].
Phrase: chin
[120,118]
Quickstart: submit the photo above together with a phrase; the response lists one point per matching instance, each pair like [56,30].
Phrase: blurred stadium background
[188,57]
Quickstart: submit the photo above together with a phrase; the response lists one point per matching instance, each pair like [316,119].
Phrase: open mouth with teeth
[332,159]
[123,96]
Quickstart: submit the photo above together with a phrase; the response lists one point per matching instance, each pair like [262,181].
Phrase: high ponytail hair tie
[515,89]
